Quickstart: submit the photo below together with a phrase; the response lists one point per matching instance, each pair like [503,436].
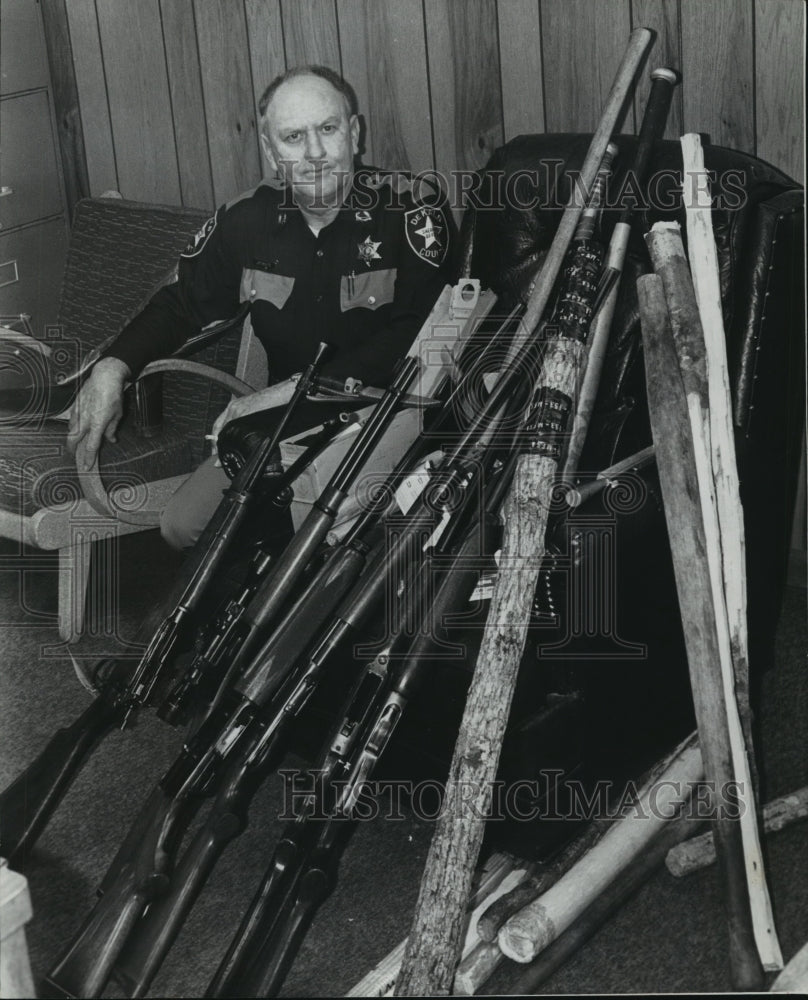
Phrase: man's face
[311,140]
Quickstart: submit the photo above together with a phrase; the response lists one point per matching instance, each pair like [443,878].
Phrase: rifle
[216,647]
[137,881]
[137,878]
[303,870]
[29,801]
[241,627]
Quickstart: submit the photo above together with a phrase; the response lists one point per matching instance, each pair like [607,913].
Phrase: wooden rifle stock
[281,912]
[153,936]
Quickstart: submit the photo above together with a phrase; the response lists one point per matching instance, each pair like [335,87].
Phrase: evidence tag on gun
[412,485]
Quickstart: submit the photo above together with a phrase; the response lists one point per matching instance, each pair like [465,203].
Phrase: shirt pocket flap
[369,290]
[274,288]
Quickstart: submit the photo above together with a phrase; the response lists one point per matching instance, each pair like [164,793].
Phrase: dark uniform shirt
[365,283]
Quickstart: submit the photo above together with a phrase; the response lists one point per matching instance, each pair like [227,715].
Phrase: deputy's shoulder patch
[197,244]
[427,233]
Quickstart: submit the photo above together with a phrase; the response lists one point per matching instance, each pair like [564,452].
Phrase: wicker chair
[119,252]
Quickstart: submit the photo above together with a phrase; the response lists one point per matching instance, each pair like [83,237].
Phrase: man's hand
[98,408]
[265,399]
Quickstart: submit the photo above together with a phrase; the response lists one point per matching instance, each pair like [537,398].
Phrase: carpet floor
[670,937]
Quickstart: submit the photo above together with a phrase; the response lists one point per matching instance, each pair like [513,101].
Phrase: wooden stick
[477,967]
[435,939]
[651,130]
[707,288]
[501,909]
[638,871]
[539,924]
[640,42]
[699,852]
[492,919]
[676,463]
[723,532]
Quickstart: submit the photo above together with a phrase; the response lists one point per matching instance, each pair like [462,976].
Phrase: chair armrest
[211,333]
[175,364]
[90,479]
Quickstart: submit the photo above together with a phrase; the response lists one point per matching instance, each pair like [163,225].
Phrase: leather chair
[119,253]
[629,677]
[758,225]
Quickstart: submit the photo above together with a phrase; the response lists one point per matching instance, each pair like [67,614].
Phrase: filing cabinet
[33,219]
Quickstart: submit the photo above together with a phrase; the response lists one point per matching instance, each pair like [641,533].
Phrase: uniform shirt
[365,283]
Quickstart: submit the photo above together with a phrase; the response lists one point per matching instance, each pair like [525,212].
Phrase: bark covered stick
[700,851]
[477,967]
[676,462]
[434,941]
[499,875]
[494,916]
[432,952]
[722,525]
[492,919]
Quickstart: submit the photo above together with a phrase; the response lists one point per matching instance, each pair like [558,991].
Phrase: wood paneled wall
[166,90]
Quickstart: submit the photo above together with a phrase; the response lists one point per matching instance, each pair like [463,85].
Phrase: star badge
[368,250]
[430,232]
[427,234]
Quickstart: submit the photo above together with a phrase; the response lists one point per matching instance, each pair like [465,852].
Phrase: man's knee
[175,529]
[187,512]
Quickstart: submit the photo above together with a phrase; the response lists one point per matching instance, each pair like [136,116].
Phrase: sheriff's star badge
[368,250]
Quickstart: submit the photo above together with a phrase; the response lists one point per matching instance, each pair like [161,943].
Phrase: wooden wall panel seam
[204,106]
[171,102]
[430,94]
[93,110]
[106,90]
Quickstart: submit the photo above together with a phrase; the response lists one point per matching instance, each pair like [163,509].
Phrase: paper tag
[484,590]
[412,486]
[441,527]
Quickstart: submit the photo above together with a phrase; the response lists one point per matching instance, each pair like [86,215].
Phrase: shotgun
[303,870]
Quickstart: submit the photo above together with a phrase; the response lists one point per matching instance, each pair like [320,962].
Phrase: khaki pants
[184,518]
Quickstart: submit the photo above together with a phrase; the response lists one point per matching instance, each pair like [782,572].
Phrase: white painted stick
[726,521]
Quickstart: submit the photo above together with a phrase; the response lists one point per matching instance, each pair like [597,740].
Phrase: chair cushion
[36,470]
